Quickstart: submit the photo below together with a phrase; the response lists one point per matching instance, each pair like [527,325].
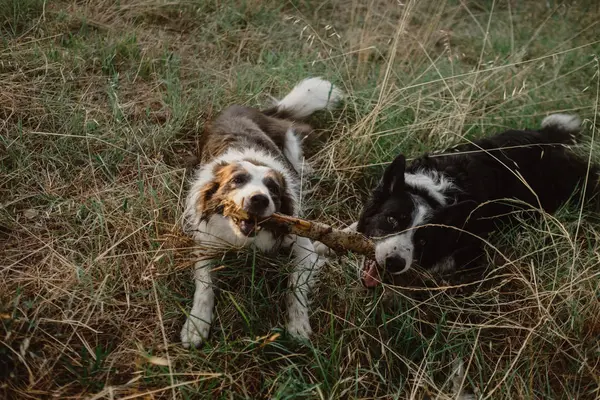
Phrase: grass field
[102,104]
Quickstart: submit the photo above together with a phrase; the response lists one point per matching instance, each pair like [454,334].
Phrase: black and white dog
[254,159]
[435,211]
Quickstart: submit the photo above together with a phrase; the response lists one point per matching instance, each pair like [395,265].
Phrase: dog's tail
[307,97]
[561,128]
[565,128]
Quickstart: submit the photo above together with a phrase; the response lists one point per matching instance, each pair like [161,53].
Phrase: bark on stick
[336,239]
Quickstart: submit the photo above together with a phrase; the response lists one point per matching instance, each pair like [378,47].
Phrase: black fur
[389,200]
[488,178]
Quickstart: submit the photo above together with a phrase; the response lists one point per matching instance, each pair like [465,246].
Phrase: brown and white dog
[254,159]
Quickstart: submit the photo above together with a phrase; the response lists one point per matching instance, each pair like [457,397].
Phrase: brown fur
[244,127]
[217,190]
[283,202]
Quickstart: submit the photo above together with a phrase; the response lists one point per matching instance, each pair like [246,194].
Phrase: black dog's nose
[395,264]
[258,202]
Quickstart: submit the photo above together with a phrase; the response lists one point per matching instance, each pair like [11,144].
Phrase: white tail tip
[563,122]
[309,96]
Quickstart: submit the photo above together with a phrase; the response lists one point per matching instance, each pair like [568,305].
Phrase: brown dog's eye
[272,185]
[238,179]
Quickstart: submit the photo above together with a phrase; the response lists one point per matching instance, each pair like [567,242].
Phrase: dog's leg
[325,251]
[301,280]
[197,326]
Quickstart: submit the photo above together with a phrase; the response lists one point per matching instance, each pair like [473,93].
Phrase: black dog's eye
[422,242]
[392,221]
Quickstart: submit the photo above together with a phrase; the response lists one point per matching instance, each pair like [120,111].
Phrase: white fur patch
[292,150]
[563,122]
[197,325]
[402,244]
[255,186]
[432,182]
[445,265]
[300,283]
[310,95]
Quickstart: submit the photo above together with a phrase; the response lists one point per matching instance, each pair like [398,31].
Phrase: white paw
[194,331]
[298,324]
[323,250]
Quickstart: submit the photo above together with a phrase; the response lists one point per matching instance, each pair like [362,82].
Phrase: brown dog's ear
[286,198]
[207,204]
[393,176]
[288,205]
[208,191]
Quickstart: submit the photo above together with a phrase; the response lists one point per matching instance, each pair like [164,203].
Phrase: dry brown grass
[101,108]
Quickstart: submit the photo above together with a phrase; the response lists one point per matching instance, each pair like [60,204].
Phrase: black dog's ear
[393,176]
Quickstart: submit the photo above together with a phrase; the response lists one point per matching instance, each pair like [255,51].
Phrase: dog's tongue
[247,227]
[370,274]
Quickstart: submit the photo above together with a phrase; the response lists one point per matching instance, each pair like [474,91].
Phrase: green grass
[101,110]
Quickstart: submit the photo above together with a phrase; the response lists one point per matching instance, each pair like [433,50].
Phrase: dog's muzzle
[257,204]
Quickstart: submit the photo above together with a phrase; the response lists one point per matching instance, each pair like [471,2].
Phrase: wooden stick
[336,239]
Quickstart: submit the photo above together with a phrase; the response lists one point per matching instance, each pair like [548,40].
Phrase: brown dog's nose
[257,203]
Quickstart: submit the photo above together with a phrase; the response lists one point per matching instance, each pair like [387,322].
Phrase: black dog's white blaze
[398,249]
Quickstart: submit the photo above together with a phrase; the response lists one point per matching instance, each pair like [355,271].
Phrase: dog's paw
[299,326]
[194,332]
[323,250]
